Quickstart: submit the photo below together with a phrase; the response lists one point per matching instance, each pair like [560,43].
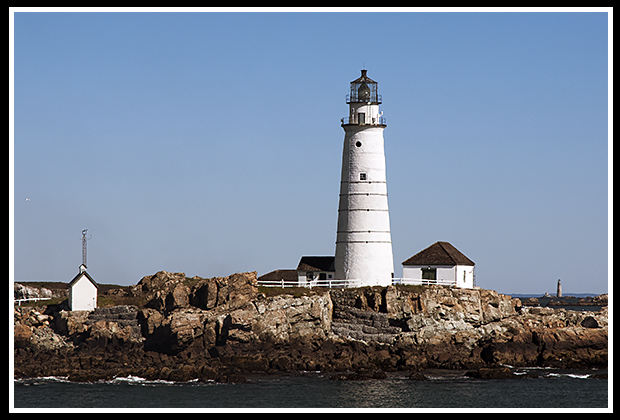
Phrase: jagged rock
[531,302]
[600,299]
[21,335]
[22,291]
[418,376]
[492,373]
[214,329]
[589,322]
[166,291]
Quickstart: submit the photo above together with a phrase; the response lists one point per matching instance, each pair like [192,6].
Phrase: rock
[511,353]
[166,291]
[21,335]
[491,373]
[232,378]
[418,376]
[600,299]
[358,376]
[531,302]
[21,291]
[589,322]
[214,329]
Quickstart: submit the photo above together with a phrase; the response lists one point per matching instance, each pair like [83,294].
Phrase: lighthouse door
[361,118]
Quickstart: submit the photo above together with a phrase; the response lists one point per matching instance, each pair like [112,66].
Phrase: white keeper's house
[440,263]
[310,269]
[83,291]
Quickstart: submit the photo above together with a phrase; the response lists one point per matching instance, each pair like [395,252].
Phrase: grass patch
[105,301]
[291,291]
[38,303]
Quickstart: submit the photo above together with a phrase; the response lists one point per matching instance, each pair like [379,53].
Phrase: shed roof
[316,264]
[79,275]
[279,275]
[440,253]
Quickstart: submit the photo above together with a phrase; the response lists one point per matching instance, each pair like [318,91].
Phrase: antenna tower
[84,239]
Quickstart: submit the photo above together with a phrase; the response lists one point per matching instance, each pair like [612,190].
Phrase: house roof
[79,275]
[316,264]
[279,275]
[440,253]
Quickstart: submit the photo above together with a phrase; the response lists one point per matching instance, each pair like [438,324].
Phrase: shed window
[429,273]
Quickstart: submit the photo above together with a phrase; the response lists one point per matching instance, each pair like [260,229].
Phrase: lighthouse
[363,239]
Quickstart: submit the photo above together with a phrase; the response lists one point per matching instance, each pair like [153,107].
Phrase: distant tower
[363,239]
[559,291]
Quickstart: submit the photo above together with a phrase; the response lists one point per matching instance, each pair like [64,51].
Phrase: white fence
[351,283]
[19,301]
[423,282]
[310,284]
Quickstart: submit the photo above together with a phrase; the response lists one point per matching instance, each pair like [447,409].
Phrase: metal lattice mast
[84,239]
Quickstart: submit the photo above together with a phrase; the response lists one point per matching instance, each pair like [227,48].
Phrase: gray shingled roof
[316,264]
[277,275]
[440,253]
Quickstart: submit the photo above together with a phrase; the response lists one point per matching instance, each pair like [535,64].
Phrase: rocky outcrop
[33,329]
[276,320]
[166,291]
[22,291]
[219,328]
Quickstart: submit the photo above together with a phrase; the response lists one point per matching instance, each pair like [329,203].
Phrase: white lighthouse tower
[363,239]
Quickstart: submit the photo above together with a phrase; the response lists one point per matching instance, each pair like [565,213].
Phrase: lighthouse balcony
[356,120]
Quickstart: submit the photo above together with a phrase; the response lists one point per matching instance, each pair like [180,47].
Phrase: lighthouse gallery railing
[354,120]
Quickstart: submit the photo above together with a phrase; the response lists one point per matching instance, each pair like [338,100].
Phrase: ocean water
[444,389]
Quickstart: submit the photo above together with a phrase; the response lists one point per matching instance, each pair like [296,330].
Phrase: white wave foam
[574,375]
[568,375]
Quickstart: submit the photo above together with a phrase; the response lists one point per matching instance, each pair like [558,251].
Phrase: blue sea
[552,388]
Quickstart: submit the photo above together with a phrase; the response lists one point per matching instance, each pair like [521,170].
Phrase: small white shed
[83,291]
[440,263]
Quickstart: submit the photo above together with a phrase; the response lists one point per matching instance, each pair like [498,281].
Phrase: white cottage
[440,263]
[83,291]
[311,269]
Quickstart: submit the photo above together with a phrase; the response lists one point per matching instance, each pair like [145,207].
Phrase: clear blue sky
[210,143]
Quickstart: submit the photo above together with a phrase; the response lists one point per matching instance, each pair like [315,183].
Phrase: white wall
[363,241]
[371,112]
[83,295]
[465,276]
[461,275]
[302,280]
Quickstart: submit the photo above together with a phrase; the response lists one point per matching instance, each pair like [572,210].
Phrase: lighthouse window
[363,176]
[358,144]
